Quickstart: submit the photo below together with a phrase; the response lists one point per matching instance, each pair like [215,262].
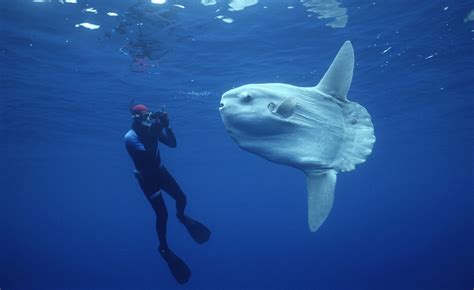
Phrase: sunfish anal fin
[320,197]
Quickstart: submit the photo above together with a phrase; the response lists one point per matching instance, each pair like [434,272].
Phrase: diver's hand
[156,126]
[165,120]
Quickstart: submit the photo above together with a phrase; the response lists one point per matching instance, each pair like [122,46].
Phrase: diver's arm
[137,151]
[168,137]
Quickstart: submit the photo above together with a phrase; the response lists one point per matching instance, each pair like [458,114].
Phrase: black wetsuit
[142,145]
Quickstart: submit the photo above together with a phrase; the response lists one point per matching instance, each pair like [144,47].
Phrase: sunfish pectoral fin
[320,197]
[338,78]
[287,107]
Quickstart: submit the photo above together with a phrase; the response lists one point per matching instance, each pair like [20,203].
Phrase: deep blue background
[72,215]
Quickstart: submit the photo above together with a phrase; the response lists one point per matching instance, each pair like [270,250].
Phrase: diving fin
[199,232]
[178,268]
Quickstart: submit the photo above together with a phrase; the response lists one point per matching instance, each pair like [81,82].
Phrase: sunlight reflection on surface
[324,9]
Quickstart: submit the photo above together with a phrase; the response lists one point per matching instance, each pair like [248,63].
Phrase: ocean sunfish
[314,129]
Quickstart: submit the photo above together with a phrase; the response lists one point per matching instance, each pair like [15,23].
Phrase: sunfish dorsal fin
[320,197]
[337,80]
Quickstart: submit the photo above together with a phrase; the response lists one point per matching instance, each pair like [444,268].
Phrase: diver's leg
[161,212]
[199,232]
[151,188]
[169,184]
[178,267]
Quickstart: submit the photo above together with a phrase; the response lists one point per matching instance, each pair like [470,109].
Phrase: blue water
[73,216]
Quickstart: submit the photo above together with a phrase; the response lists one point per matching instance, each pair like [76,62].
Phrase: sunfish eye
[271,107]
[245,96]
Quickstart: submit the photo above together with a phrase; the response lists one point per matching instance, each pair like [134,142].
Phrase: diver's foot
[178,268]
[199,232]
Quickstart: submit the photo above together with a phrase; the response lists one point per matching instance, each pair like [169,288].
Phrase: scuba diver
[149,128]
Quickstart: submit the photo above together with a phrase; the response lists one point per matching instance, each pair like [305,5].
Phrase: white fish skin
[314,129]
